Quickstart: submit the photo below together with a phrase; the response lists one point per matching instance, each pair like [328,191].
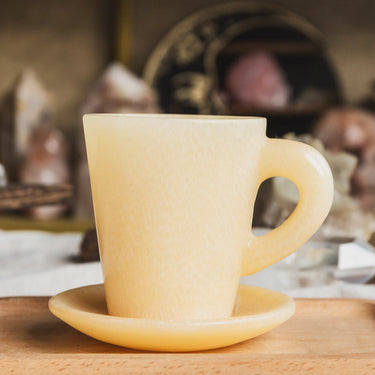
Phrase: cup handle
[308,169]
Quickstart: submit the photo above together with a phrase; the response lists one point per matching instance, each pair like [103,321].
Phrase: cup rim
[189,117]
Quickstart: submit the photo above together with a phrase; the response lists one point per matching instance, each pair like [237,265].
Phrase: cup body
[173,198]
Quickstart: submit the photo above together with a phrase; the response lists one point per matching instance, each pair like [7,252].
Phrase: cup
[173,198]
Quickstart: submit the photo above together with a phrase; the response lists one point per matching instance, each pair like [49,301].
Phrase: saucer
[257,311]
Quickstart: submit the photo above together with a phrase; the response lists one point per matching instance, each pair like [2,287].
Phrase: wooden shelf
[20,196]
[12,222]
[287,111]
[275,47]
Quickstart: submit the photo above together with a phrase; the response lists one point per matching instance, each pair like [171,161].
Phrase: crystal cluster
[346,219]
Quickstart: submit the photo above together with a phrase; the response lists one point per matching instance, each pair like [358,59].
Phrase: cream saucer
[257,311]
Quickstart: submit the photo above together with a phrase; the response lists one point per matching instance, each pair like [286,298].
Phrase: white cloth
[38,263]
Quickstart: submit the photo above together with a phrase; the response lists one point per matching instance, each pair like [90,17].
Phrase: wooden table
[324,337]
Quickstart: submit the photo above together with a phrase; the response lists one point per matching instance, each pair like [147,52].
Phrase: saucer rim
[172,336]
[289,305]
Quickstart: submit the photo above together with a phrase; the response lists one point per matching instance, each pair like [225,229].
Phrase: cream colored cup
[173,198]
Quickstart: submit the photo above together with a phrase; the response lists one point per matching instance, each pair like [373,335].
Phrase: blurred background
[306,66]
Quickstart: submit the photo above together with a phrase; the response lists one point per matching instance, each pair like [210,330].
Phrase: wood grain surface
[324,337]
[16,197]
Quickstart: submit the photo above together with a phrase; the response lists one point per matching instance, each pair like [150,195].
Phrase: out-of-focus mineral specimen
[23,108]
[120,91]
[346,219]
[353,130]
[89,249]
[3,176]
[117,91]
[46,163]
[257,80]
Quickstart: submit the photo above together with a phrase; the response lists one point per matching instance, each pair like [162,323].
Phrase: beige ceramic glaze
[173,198]
[257,311]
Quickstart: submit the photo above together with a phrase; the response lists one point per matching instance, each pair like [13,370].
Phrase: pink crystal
[257,80]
